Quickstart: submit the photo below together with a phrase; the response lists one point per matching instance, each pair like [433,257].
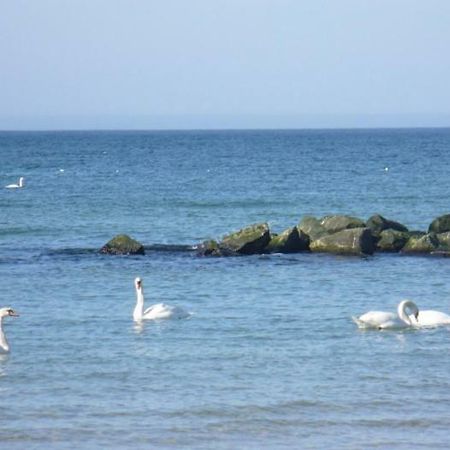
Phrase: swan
[386,320]
[20,184]
[4,312]
[154,312]
[431,318]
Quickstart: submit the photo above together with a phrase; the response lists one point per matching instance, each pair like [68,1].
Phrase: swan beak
[14,314]
[416,315]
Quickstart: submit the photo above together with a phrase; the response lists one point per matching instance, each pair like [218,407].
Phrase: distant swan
[16,186]
[4,312]
[385,320]
[154,312]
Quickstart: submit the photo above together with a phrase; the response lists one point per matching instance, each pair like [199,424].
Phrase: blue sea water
[270,357]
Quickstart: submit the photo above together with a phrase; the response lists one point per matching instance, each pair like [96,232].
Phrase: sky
[158,64]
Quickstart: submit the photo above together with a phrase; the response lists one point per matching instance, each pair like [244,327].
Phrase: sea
[269,357]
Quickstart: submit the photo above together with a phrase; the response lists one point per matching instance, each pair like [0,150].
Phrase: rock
[440,224]
[290,241]
[354,241]
[425,243]
[391,240]
[333,224]
[444,241]
[312,227]
[247,241]
[123,245]
[378,223]
[209,248]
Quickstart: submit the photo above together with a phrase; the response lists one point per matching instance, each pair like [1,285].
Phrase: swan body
[386,320]
[5,312]
[431,318]
[154,312]
[20,184]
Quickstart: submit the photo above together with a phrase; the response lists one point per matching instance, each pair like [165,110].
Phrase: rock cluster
[338,234]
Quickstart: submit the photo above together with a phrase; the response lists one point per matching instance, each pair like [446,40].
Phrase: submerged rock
[247,241]
[440,225]
[290,241]
[123,245]
[353,241]
[208,248]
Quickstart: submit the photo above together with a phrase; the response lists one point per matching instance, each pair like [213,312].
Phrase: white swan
[385,320]
[20,184]
[4,312]
[154,312]
[431,318]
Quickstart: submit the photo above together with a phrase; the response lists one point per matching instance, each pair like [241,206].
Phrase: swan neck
[402,312]
[3,341]
[139,308]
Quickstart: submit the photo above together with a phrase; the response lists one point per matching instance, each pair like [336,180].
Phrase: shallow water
[270,357]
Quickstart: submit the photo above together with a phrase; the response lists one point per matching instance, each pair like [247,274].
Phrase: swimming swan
[431,318]
[4,312]
[154,312]
[16,186]
[385,320]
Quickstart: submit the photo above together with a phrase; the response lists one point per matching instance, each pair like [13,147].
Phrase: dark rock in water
[391,240]
[440,224]
[378,223]
[123,245]
[354,241]
[444,241]
[247,241]
[333,224]
[209,248]
[290,241]
[425,243]
[312,227]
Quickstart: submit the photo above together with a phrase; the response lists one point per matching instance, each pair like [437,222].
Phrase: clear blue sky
[224,63]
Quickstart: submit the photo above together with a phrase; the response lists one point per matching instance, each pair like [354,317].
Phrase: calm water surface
[270,357]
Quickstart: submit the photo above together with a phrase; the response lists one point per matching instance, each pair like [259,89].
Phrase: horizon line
[197,129]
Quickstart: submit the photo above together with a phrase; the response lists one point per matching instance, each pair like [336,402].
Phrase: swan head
[4,312]
[410,306]
[138,283]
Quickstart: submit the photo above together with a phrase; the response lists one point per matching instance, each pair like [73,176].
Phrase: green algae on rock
[290,241]
[123,244]
[247,241]
[352,241]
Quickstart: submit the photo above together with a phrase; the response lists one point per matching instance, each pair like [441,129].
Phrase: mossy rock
[209,248]
[247,241]
[312,227]
[378,223]
[392,240]
[353,241]
[333,224]
[123,244]
[440,224]
[444,241]
[425,243]
[290,241]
